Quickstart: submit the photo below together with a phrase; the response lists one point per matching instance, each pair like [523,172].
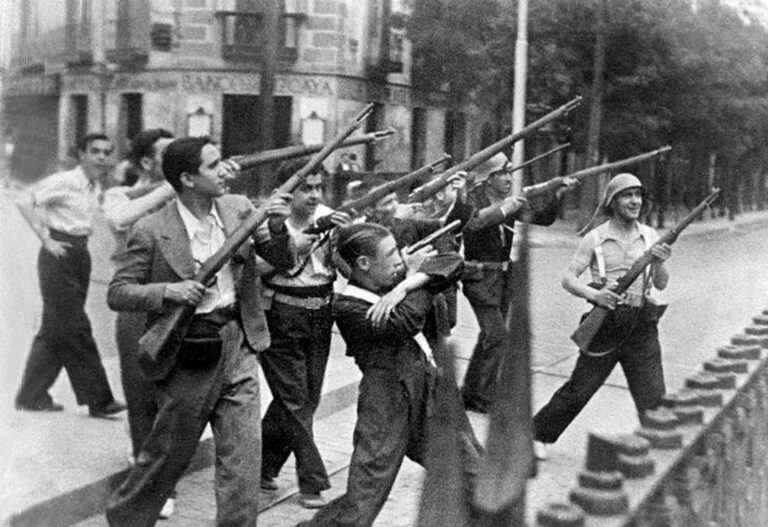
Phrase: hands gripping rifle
[591,324]
[159,346]
[375,194]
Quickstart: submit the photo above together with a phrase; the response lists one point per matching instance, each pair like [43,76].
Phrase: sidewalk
[57,469]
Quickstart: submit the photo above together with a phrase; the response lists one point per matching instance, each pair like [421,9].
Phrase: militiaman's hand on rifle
[512,204]
[188,292]
[605,297]
[567,185]
[278,208]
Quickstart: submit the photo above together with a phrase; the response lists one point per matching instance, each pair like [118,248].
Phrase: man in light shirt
[215,377]
[300,321]
[61,210]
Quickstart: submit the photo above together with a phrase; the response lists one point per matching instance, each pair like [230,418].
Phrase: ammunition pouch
[203,344]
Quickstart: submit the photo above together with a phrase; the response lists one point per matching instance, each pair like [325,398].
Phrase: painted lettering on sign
[217,83]
[312,86]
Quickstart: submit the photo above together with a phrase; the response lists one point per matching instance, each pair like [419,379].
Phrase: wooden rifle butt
[159,346]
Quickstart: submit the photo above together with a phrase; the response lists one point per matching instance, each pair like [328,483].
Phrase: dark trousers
[294,367]
[639,354]
[140,393]
[489,302]
[226,395]
[392,416]
[65,339]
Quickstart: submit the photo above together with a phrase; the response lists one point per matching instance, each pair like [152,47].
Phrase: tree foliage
[690,74]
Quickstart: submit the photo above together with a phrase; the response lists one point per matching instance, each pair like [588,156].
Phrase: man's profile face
[501,182]
[386,266]
[96,158]
[212,179]
[386,207]
[307,197]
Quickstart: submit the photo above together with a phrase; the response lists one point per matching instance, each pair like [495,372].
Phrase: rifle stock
[591,324]
[159,346]
[291,152]
[375,194]
[554,183]
[433,187]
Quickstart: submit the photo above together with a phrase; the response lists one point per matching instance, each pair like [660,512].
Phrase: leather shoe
[47,406]
[168,508]
[106,410]
[268,483]
[311,501]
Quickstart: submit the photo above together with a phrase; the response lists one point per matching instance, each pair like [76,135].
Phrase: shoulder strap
[599,255]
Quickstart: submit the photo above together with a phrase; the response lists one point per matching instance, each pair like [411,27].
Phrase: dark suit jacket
[158,252]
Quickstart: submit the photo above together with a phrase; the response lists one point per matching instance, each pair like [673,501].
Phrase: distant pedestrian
[300,322]
[381,316]
[215,376]
[629,336]
[61,210]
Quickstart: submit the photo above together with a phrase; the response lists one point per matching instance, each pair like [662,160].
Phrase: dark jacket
[392,346]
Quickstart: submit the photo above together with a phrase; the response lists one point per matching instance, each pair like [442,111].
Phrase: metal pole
[521,76]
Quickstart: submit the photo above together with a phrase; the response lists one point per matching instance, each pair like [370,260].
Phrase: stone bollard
[659,428]
[686,405]
[560,515]
[610,459]
[739,352]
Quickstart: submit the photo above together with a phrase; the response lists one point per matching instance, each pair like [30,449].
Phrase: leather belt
[220,315]
[496,266]
[312,302]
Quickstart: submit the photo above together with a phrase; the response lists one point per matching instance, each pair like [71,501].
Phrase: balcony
[242,36]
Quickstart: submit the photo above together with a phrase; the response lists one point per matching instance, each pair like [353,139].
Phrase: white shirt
[206,236]
[67,201]
[318,270]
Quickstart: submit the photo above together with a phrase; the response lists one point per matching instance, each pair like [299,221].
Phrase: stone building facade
[196,66]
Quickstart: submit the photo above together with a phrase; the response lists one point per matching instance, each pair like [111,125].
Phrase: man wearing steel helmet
[608,251]
[487,244]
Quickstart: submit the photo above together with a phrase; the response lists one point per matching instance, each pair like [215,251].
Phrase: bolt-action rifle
[426,240]
[291,152]
[324,223]
[433,187]
[554,183]
[159,347]
[591,324]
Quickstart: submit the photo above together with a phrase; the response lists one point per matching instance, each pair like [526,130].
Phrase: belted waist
[496,266]
[316,302]
[61,236]
[219,316]
[316,291]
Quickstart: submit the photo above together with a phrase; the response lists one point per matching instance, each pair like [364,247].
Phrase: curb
[90,500]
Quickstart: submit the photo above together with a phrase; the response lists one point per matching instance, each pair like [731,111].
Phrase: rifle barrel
[291,152]
[434,186]
[433,236]
[539,157]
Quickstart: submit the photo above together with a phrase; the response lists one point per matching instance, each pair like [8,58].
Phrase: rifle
[291,152]
[433,187]
[593,321]
[554,183]
[159,346]
[375,194]
[539,157]
[432,237]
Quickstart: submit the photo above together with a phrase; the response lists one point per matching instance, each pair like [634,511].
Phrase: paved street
[718,283]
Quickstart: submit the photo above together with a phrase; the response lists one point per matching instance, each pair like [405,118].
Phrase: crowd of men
[273,305]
